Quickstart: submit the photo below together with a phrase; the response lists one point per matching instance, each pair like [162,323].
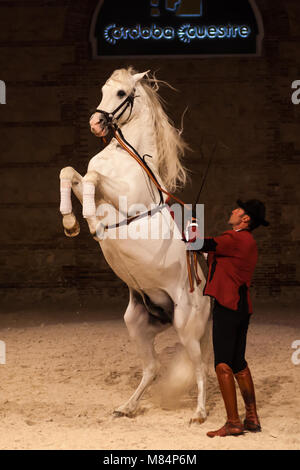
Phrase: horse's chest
[113,164]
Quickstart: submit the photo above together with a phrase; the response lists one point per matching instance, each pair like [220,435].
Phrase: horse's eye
[121,93]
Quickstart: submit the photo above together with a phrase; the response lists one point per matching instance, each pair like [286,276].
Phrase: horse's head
[118,101]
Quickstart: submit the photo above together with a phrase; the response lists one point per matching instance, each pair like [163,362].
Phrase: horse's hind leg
[190,331]
[143,331]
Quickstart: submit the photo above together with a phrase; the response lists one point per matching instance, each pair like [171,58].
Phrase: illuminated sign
[176,27]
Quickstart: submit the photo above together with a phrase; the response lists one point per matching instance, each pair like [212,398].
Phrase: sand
[66,373]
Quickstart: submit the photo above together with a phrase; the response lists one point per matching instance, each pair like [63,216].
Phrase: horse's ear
[138,76]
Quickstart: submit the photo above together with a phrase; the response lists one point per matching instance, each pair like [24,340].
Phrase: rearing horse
[154,268]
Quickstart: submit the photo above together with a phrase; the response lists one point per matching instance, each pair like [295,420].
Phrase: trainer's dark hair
[252,224]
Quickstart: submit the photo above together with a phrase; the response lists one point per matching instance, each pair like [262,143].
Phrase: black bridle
[111,118]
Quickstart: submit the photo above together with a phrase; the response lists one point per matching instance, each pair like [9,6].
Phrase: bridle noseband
[111,118]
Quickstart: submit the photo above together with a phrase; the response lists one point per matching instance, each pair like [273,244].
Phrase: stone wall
[242,104]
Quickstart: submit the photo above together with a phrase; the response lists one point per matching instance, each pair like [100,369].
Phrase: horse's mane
[170,144]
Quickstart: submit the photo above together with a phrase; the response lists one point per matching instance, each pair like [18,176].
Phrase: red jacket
[231,265]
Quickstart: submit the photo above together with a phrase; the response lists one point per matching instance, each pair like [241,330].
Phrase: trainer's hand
[193,236]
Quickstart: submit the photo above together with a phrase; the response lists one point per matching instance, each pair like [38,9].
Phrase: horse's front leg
[71,180]
[97,187]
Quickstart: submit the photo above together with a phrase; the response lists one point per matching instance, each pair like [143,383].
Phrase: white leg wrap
[88,206]
[65,196]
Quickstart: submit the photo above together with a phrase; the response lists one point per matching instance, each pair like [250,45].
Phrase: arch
[260,25]
[92,35]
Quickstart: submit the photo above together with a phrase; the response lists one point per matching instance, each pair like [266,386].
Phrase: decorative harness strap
[128,220]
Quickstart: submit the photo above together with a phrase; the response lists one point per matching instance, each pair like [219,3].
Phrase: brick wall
[243,104]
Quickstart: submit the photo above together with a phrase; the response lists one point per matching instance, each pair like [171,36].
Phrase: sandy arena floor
[65,374]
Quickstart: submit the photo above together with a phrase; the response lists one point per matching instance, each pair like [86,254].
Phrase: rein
[143,164]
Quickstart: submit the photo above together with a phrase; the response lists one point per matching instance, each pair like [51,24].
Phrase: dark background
[243,104]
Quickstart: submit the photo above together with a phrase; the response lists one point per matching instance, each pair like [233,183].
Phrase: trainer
[231,259]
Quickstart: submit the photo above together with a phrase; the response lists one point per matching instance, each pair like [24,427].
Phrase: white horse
[154,269]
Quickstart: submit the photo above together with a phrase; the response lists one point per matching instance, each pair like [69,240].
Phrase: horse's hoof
[118,414]
[121,414]
[71,233]
[197,420]
[71,226]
